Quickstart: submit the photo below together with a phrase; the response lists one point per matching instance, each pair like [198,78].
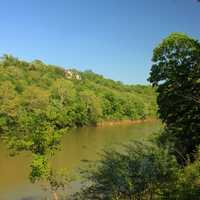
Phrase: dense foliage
[39,102]
[86,100]
[146,172]
[141,172]
[176,74]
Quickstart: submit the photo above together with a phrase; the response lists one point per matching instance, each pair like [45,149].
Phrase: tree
[92,106]
[175,74]
[187,185]
[25,126]
[141,172]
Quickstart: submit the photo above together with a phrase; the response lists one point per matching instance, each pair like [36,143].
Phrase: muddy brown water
[77,145]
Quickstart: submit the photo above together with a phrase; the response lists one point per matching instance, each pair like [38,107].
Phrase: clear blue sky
[111,37]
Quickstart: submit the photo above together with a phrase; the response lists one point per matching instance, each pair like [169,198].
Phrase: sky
[114,38]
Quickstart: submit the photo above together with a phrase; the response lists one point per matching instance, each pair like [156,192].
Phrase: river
[77,145]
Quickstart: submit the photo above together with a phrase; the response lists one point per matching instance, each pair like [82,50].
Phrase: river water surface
[77,145]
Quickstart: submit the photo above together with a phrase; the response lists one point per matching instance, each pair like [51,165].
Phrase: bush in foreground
[140,172]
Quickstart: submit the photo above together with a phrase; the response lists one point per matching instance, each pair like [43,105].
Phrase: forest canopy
[68,97]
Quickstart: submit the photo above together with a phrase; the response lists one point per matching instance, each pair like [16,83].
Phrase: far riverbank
[121,122]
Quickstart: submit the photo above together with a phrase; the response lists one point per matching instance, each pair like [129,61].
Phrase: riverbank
[121,122]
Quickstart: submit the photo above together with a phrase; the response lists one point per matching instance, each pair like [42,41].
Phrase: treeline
[70,98]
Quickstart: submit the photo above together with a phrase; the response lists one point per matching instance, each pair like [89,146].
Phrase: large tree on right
[175,73]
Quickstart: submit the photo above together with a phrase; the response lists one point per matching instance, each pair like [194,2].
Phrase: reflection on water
[77,145]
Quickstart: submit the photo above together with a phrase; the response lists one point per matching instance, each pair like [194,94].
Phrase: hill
[67,97]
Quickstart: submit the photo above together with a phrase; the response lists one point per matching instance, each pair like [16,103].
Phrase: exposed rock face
[68,74]
[78,77]
[72,75]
